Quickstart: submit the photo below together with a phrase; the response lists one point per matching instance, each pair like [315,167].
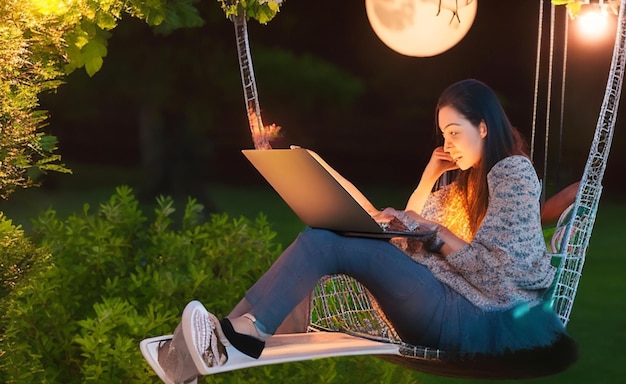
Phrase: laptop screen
[316,197]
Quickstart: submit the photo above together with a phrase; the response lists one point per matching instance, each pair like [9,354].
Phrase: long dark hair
[478,103]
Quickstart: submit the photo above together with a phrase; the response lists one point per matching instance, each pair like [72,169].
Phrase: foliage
[17,256]
[261,10]
[575,6]
[111,277]
[40,42]
[115,277]
[79,29]
[25,71]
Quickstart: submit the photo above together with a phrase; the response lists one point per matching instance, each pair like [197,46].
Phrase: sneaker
[175,361]
[203,337]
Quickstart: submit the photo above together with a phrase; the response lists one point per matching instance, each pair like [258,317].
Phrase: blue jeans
[423,310]
[413,300]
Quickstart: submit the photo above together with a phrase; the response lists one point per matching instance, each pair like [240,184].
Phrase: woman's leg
[410,296]
[296,322]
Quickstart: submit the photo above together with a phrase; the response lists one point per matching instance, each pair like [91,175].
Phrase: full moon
[421,28]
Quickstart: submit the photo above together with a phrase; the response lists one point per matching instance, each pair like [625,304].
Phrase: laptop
[302,180]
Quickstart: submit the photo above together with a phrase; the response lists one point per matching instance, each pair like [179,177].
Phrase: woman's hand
[444,241]
[386,215]
[423,223]
[404,220]
[439,163]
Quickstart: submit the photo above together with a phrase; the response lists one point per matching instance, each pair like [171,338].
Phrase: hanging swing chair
[346,320]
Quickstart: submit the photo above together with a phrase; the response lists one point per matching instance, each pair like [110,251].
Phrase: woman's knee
[317,236]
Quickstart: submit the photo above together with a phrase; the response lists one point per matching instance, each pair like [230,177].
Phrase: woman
[475,287]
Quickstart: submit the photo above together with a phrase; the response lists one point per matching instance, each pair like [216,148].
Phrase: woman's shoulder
[512,165]
[514,161]
[517,169]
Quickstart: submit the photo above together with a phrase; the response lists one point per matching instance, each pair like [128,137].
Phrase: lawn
[599,315]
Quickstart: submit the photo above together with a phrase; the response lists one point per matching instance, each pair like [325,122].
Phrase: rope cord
[562,112]
[536,89]
[548,102]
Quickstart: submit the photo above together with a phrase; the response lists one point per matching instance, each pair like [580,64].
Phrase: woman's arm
[509,241]
[451,243]
[439,163]
[444,241]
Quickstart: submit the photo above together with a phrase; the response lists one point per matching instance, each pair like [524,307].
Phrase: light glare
[593,24]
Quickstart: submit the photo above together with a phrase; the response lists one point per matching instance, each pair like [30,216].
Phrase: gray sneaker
[204,337]
[175,360]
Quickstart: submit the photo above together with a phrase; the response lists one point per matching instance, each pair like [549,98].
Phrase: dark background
[172,106]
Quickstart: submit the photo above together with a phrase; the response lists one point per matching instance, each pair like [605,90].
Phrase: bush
[17,257]
[115,278]
[104,280]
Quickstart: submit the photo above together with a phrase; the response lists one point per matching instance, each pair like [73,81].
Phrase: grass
[598,318]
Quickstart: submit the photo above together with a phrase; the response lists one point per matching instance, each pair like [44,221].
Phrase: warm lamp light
[421,28]
[593,23]
[593,20]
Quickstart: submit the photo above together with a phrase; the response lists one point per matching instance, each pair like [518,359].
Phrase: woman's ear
[482,129]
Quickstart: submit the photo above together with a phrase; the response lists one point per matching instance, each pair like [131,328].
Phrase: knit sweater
[506,263]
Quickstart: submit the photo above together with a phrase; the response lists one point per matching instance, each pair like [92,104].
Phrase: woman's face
[462,140]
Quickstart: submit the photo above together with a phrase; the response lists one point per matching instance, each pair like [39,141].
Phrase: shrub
[106,279]
[115,277]
[17,257]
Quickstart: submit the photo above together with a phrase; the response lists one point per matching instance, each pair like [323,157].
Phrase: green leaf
[265,14]
[274,7]
[80,37]
[92,54]
[88,27]
[74,59]
[574,9]
[93,65]
[48,142]
[106,21]
[155,17]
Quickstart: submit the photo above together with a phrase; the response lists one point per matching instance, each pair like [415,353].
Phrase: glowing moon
[421,28]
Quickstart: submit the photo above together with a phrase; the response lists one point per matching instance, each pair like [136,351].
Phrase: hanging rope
[562,113]
[549,86]
[536,90]
[548,102]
